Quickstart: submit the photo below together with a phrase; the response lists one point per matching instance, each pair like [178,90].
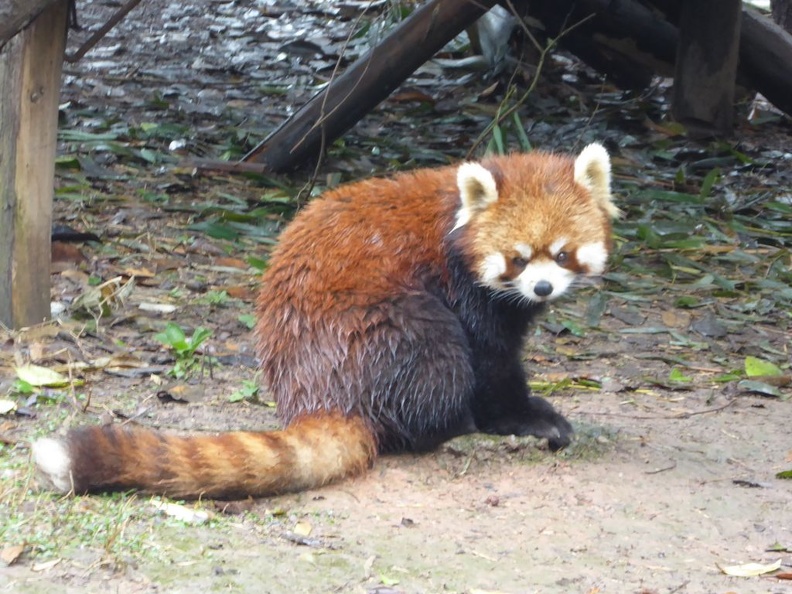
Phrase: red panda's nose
[543,288]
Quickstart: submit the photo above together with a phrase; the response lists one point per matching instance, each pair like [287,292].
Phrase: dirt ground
[672,475]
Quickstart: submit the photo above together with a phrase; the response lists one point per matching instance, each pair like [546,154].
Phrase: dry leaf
[750,569]
[241,292]
[783,576]
[158,307]
[181,512]
[10,555]
[676,319]
[139,272]
[232,263]
[46,565]
[39,376]
[302,529]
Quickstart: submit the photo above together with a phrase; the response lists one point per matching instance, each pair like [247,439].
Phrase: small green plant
[215,298]
[249,391]
[21,387]
[247,320]
[184,348]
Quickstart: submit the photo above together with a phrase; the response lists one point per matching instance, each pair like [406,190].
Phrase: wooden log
[706,66]
[766,59]
[782,14]
[765,53]
[625,32]
[30,77]
[15,15]
[624,40]
[366,83]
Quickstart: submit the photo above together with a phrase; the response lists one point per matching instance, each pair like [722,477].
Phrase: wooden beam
[30,79]
[706,66]
[766,59]
[15,15]
[366,82]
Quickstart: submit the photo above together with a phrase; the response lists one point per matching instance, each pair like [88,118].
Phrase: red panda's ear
[477,190]
[593,172]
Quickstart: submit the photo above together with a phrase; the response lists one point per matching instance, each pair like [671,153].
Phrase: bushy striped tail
[311,452]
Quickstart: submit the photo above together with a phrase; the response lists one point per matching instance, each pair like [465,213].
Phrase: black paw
[537,417]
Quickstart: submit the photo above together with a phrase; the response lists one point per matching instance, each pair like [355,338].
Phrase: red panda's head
[534,223]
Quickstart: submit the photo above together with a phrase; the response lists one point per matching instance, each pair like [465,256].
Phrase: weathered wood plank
[16,14]
[706,66]
[766,59]
[30,79]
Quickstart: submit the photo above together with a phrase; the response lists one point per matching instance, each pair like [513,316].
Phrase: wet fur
[374,334]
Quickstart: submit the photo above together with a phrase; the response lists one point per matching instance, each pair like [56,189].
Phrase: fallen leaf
[302,529]
[241,292]
[10,555]
[750,569]
[139,272]
[46,565]
[676,319]
[783,576]
[756,367]
[759,388]
[181,512]
[39,376]
[232,263]
[158,307]
[409,96]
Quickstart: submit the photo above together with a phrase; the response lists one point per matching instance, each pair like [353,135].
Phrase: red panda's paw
[536,417]
[53,464]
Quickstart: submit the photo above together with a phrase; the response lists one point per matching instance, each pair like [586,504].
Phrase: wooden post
[706,66]
[30,79]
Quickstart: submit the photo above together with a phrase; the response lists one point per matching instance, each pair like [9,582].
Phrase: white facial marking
[492,268]
[524,250]
[593,256]
[558,277]
[462,218]
[558,245]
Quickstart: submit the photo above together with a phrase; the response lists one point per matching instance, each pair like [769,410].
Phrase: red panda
[392,318]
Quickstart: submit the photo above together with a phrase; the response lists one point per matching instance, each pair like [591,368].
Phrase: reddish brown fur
[332,278]
[540,203]
[370,326]
[311,452]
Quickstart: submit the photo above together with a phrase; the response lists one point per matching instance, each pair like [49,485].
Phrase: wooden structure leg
[706,66]
[30,79]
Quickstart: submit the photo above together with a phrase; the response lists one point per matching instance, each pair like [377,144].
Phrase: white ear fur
[477,190]
[593,172]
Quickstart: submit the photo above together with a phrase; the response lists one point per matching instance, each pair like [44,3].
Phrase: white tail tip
[53,463]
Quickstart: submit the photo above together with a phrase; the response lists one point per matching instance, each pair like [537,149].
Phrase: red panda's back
[334,282]
[365,238]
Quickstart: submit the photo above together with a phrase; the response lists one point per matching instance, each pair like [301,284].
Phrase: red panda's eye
[562,258]
[519,262]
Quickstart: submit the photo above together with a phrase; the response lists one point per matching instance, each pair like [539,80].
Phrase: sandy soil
[657,508]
